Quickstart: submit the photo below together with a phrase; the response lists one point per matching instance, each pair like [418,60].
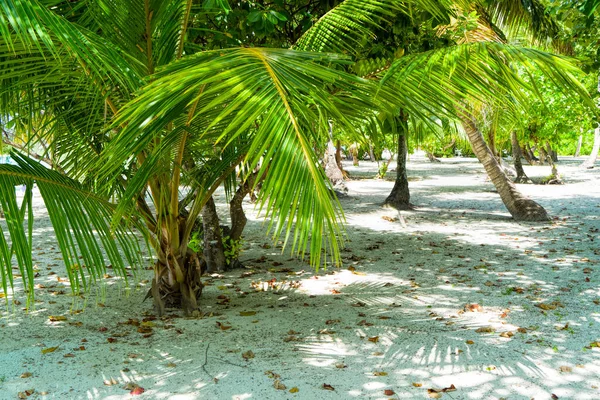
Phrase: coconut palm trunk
[591,160]
[517,155]
[519,206]
[399,198]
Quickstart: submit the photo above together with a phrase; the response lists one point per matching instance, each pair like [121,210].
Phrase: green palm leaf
[81,222]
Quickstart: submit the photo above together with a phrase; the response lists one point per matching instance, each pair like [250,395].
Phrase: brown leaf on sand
[26,375]
[278,385]
[389,392]
[327,386]
[248,355]
[56,318]
[380,373]
[470,342]
[485,329]
[473,307]
[373,339]
[25,394]
[565,368]
[222,326]
[437,393]
[415,384]
[294,390]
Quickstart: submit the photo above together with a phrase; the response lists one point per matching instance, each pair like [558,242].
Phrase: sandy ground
[391,323]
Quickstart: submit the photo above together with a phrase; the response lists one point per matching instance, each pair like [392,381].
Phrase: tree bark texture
[214,252]
[519,206]
[399,198]
[516,150]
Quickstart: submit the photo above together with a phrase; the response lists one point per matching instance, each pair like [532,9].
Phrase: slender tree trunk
[354,151]
[214,252]
[431,157]
[338,158]
[399,198]
[516,150]
[519,206]
[372,153]
[579,142]
[492,141]
[332,171]
[591,160]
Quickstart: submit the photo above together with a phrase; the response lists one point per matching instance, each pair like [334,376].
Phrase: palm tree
[132,115]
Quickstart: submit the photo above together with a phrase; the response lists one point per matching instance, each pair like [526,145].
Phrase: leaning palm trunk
[591,160]
[519,206]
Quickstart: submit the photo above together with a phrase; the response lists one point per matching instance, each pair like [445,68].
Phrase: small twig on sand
[206,362]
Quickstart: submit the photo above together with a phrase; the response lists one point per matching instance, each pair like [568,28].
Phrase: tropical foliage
[142,109]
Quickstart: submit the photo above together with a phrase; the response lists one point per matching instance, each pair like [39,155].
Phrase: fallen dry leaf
[294,390]
[373,339]
[470,342]
[110,382]
[278,385]
[564,368]
[26,375]
[380,373]
[327,387]
[222,326]
[248,355]
[137,391]
[171,365]
[507,334]
[55,318]
[341,365]
[247,313]
[50,350]
[415,384]
[473,307]
[389,392]
[485,329]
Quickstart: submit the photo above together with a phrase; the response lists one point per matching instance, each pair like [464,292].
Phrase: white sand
[406,294]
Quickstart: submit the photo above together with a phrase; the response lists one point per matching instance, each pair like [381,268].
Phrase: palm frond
[271,95]
[81,222]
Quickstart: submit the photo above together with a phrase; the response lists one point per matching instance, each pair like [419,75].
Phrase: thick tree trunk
[516,150]
[177,283]
[551,153]
[579,142]
[591,160]
[214,252]
[399,198]
[519,206]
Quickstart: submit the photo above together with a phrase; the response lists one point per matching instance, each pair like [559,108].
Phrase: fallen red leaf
[137,391]
[389,392]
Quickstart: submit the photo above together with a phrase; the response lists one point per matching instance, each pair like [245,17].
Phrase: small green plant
[232,248]
[508,291]
[195,242]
